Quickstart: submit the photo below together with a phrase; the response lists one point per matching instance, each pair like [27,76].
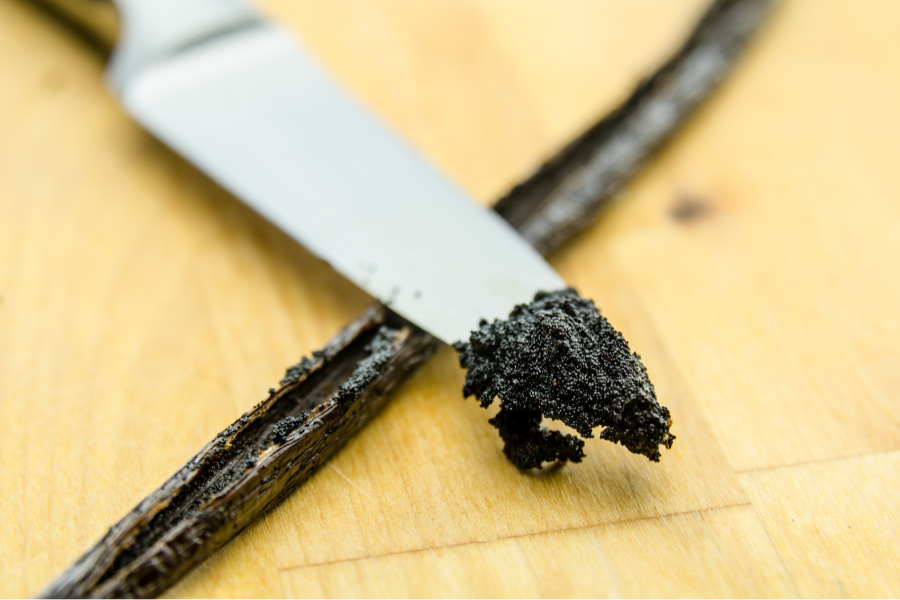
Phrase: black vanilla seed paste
[558,358]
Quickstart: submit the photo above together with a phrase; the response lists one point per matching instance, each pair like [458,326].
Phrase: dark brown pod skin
[557,357]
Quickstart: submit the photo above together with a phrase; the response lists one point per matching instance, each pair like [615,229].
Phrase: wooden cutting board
[755,266]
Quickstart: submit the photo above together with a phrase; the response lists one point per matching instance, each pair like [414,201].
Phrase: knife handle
[98,20]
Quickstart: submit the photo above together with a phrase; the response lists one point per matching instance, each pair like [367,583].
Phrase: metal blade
[253,110]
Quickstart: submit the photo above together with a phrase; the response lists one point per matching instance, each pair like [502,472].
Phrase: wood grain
[836,523]
[141,307]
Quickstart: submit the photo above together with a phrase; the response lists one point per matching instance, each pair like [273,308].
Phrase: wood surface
[753,267]
[249,467]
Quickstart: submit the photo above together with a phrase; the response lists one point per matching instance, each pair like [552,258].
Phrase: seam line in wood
[518,536]
[818,461]
[790,575]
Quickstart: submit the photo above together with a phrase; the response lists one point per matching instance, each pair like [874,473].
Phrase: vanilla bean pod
[250,466]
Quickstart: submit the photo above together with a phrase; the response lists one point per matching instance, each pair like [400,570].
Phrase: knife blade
[249,105]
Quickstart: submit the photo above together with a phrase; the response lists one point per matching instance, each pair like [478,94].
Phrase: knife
[248,104]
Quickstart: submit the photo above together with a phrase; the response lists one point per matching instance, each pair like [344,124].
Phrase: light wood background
[142,310]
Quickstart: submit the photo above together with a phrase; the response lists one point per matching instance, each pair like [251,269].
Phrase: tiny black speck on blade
[559,358]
